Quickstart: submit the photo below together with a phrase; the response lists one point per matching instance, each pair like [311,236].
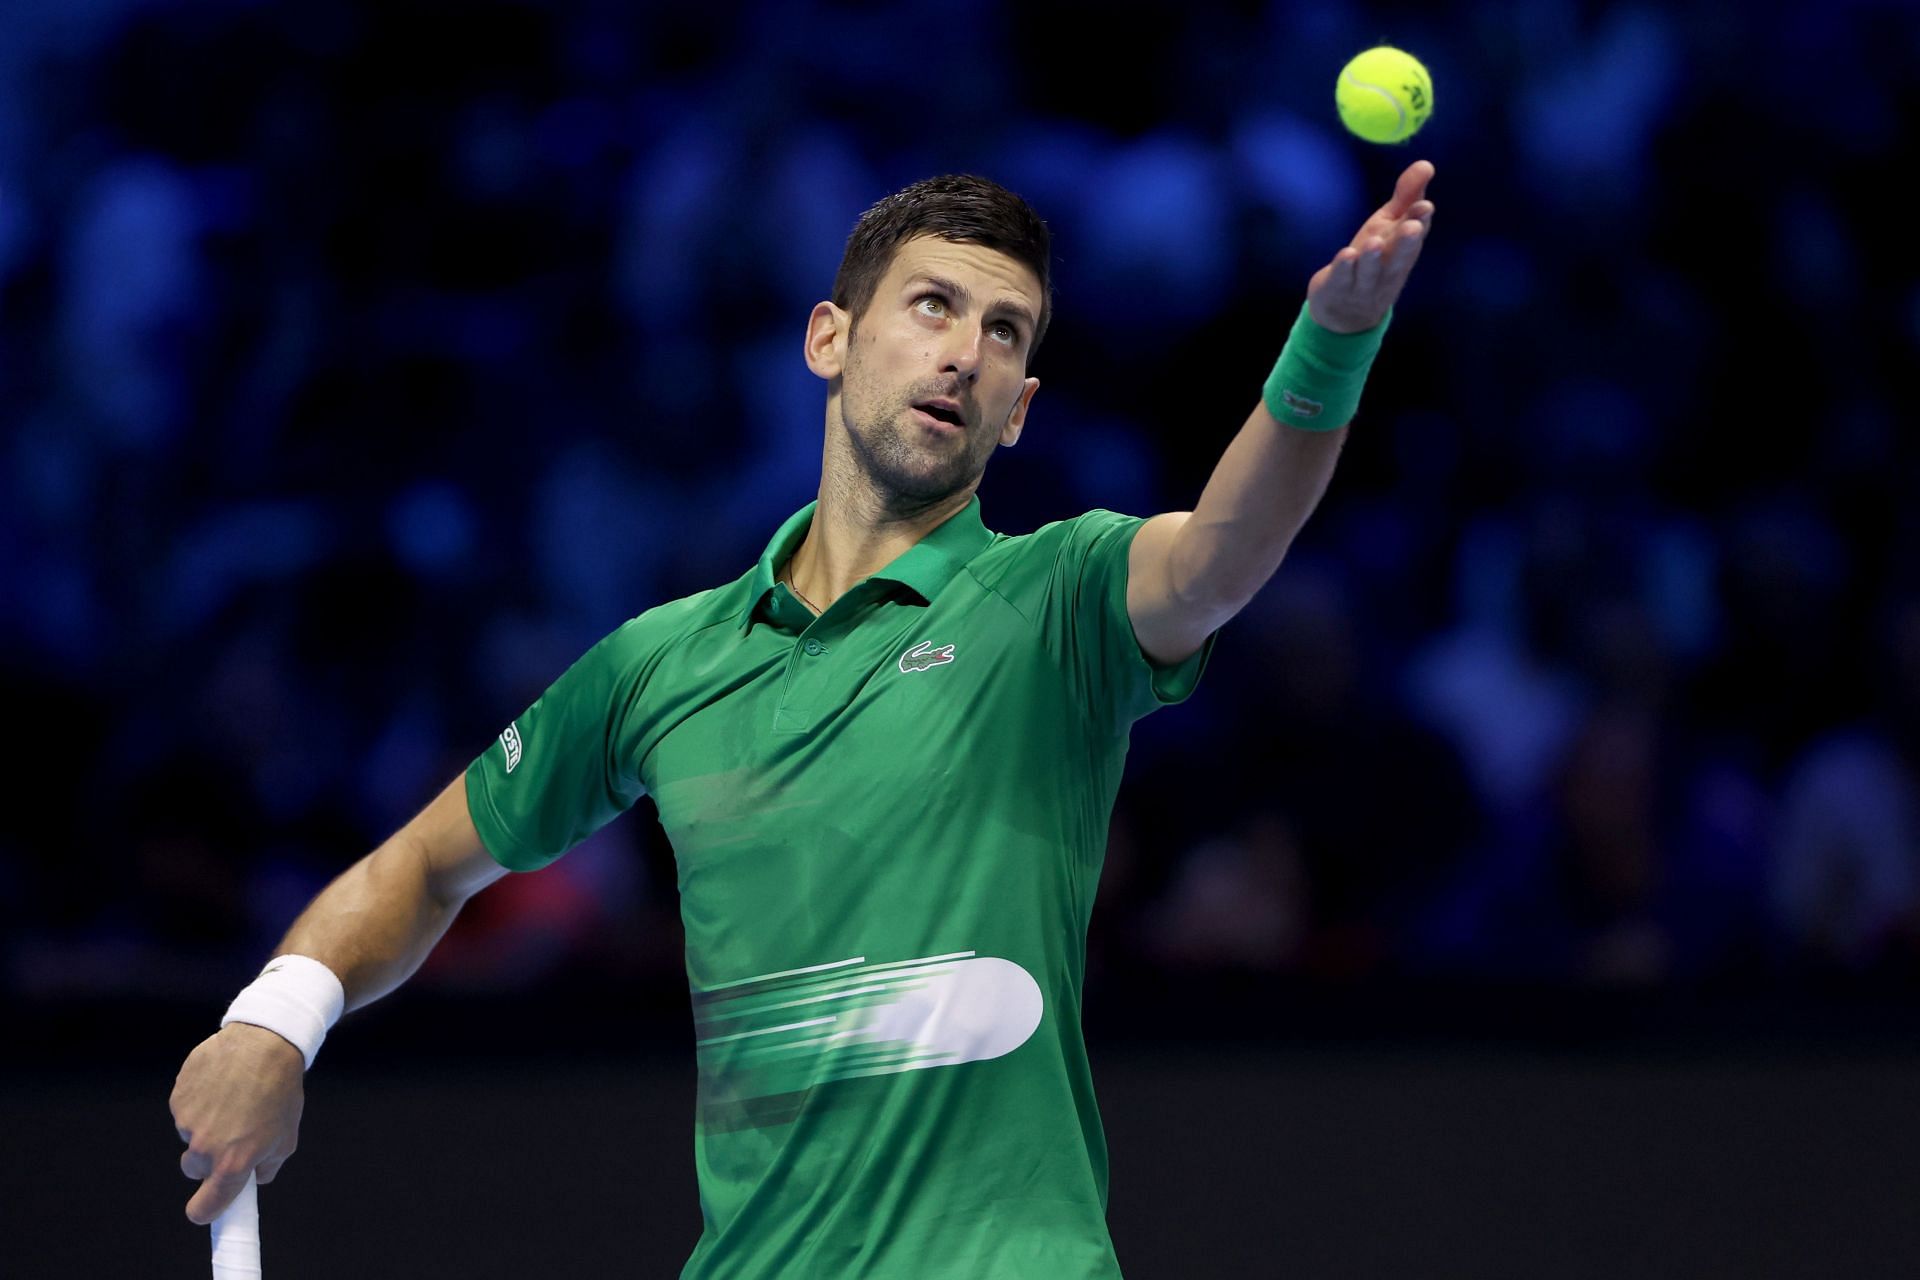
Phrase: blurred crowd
[361,364]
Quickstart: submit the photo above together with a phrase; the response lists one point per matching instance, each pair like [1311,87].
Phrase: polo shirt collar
[925,568]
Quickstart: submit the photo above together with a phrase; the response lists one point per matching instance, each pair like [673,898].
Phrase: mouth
[944,411]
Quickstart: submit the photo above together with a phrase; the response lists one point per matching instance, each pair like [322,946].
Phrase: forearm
[238,1097]
[1261,493]
[375,924]
[1188,572]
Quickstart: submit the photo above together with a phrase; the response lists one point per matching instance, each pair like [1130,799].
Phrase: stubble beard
[908,469]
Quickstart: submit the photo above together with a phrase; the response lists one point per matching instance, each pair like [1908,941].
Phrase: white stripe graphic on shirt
[786,973]
[903,1015]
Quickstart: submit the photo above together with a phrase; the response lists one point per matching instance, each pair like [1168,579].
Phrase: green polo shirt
[889,822]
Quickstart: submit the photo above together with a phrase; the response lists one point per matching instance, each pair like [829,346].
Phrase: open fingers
[1409,200]
[1401,252]
[1409,189]
[1340,275]
[1388,231]
[1366,268]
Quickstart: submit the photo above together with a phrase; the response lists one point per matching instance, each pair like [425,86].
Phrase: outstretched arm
[1191,571]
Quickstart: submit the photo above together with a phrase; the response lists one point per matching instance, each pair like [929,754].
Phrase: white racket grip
[236,1237]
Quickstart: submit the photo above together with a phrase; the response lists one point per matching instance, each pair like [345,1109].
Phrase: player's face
[935,367]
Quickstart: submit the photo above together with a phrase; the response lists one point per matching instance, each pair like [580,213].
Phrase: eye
[1005,332]
[932,304]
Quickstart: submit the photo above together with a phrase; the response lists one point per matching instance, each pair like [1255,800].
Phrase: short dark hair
[958,207]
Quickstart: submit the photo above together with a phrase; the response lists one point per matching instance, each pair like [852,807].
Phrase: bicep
[1169,627]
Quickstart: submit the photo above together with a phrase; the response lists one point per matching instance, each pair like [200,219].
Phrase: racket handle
[236,1237]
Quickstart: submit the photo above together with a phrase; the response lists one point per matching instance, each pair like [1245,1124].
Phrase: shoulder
[1060,544]
[645,637]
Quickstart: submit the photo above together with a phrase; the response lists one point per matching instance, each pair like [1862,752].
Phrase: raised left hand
[1356,289]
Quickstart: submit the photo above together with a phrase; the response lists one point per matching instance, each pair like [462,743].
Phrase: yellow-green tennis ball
[1384,95]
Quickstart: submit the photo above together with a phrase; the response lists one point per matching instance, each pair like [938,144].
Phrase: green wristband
[1315,385]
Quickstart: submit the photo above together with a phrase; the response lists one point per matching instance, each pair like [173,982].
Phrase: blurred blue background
[364,364]
[361,364]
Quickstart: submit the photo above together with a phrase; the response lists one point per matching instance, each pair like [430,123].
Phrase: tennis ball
[1384,95]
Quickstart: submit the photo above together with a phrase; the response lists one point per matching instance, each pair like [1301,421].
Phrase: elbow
[403,869]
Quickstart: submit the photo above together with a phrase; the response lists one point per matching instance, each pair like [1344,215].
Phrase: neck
[857,532]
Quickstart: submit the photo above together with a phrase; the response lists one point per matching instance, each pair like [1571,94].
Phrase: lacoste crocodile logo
[924,655]
[1300,404]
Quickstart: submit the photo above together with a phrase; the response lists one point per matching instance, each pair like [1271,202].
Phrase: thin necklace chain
[796,590]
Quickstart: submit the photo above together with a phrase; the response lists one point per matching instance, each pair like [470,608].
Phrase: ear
[1017,420]
[828,329]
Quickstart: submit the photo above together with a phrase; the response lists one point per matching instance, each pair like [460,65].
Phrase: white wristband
[295,997]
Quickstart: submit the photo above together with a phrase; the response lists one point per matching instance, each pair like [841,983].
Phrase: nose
[961,356]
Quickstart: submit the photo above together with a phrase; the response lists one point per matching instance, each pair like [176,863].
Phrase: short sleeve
[1086,625]
[568,765]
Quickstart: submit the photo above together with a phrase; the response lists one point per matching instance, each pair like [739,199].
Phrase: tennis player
[886,756]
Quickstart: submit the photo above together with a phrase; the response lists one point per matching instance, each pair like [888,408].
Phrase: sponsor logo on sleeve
[510,739]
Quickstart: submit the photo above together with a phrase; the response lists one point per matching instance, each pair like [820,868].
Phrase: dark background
[1531,888]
